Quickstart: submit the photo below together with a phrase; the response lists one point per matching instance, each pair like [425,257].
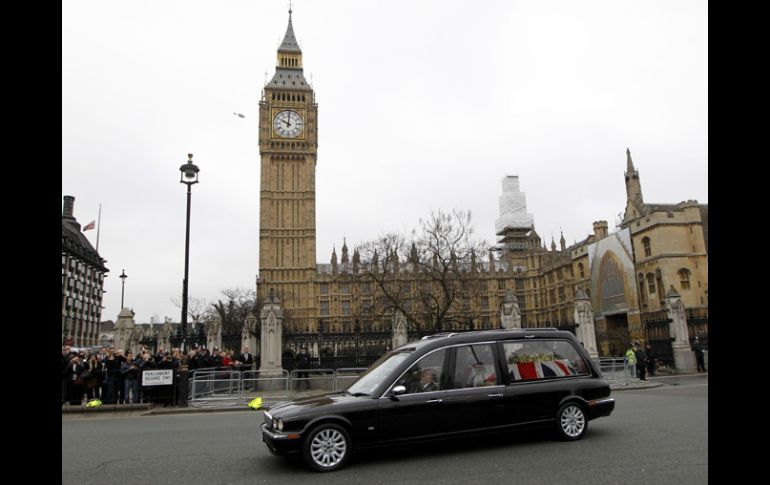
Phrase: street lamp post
[122,277]
[189,176]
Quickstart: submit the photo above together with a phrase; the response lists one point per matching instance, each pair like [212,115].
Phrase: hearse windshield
[380,370]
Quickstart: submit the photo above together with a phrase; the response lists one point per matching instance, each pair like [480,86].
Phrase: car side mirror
[397,391]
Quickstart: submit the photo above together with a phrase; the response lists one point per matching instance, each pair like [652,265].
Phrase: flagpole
[98,226]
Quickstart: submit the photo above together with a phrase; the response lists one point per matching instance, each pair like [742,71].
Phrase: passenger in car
[479,375]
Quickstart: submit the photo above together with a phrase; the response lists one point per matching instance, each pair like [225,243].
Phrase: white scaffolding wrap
[513,207]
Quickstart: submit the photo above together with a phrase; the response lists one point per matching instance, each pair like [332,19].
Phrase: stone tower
[288,146]
[515,224]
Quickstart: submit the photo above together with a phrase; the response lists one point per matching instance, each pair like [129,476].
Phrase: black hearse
[446,385]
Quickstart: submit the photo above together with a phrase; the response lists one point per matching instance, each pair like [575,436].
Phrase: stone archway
[618,334]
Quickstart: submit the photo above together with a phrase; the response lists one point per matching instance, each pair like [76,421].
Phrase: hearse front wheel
[327,447]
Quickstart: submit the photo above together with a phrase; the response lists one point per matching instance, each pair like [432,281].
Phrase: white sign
[163,377]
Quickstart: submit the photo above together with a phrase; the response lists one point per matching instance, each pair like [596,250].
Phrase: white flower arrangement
[523,358]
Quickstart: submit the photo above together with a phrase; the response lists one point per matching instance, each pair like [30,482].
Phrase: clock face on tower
[288,124]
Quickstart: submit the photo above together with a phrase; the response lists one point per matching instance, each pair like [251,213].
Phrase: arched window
[611,278]
[684,278]
[646,246]
[580,270]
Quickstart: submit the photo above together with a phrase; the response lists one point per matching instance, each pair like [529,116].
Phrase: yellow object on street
[256,403]
[93,403]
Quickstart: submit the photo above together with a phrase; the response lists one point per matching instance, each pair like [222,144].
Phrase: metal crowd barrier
[216,386]
[312,379]
[346,376]
[208,382]
[258,380]
[616,369]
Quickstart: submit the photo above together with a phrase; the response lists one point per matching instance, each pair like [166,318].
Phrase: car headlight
[279,424]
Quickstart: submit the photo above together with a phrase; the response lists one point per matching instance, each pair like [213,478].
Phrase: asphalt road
[655,435]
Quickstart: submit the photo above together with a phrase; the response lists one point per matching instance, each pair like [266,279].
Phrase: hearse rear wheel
[571,422]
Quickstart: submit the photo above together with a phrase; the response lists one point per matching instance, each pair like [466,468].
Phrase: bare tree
[438,277]
[234,309]
[197,308]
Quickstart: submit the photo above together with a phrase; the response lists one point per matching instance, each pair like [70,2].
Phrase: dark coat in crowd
[247,361]
[75,387]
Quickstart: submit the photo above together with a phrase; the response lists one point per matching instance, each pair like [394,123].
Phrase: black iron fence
[194,339]
[336,350]
[698,326]
[150,342]
[232,341]
[660,338]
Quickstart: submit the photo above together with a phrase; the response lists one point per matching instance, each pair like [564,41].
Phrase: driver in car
[427,381]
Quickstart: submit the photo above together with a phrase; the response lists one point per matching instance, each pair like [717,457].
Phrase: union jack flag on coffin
[523,371]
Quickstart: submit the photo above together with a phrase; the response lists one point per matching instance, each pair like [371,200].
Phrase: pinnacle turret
[629,163]
[289,43]
[345,258]
[633,186]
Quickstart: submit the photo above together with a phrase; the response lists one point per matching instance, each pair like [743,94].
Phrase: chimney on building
[600,229]
[69,207]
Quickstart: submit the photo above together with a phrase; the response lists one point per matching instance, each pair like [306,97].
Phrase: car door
[420,411]
[475,399]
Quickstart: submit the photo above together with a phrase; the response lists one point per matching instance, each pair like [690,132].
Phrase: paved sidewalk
[635,384]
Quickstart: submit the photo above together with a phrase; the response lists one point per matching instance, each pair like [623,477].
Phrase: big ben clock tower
[288,145]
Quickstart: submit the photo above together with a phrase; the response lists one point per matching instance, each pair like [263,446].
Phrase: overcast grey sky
[423,105]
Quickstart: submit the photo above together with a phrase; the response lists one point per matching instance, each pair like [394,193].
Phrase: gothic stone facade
[625,274]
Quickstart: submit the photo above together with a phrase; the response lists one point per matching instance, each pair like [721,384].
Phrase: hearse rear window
[542,359]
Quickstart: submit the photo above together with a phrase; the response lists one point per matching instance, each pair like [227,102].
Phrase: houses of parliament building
[625,274]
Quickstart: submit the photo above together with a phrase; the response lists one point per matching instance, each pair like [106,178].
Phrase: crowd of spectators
[114,376]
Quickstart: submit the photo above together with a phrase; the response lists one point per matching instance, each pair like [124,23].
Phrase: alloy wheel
[328,448]
[573,421]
